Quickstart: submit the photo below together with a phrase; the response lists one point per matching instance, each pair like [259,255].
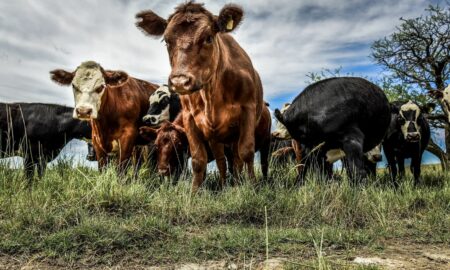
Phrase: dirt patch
[389,255]
[407,256]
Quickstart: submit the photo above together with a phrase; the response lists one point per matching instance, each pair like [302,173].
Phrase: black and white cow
[164,106]
[408,136]
[349,114]
[444,98]
[38,132]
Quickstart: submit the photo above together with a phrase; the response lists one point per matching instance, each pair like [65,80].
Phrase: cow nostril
[84,111]
[153,119]
[181,81]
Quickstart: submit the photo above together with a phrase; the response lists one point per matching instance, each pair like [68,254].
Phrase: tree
[417,54]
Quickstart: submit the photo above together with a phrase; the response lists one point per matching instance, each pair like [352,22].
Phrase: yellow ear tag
[230,24]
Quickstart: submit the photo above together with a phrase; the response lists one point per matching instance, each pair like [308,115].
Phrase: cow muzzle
[164,171]
[83,113]
[413,137]
[183,84]
[150,120]
[376,158]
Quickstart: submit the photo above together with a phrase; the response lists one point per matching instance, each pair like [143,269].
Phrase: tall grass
[74,213]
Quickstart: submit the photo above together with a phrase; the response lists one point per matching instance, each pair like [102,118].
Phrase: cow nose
[152,120]
[413,136]
[181,82]
[377,158]
[163,171]
[84,112]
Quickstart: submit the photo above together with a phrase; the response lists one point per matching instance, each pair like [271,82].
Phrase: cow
[172,146]
[114,103]
[408,136]
[371,158]
[164,105]
[347,113]
[221,92]
[38,132]
[444,98]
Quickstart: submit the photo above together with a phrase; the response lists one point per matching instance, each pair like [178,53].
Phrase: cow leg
[102,157]
[198,153]
[238,164]
[126,145]
[28,166]
[41,167]
[392,164]
[401,166]
[298,155]
[137,160]
[264,159]
[219,155]
[303,164]
[229,156]
[353,148]
[246,144]
[415,168]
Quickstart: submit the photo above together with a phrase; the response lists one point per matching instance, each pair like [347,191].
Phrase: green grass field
[79,218]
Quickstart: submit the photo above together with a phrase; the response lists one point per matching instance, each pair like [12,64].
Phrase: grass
[75,214]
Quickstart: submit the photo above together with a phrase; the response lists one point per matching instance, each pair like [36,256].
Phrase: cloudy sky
[286,39]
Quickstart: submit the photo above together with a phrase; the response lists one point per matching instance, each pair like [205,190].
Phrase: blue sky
[285,39]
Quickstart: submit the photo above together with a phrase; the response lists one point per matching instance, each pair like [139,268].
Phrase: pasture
[76,217]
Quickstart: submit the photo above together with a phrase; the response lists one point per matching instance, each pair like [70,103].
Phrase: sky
[285,39]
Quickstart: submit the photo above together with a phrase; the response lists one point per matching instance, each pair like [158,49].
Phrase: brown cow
[221,93]
[113,102]
[171,145]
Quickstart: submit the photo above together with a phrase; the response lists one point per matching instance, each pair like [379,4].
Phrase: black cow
[408,136]
[37,132]
[347,113]
[164,106]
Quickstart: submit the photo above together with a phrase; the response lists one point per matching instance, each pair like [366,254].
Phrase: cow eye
[208,40]
[401,120]
[75,88]
[99,89]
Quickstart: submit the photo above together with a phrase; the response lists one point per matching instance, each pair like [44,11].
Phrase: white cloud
[286,40]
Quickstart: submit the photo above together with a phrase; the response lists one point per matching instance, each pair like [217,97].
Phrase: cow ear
[62,77]
[436,94]
[115,77]
[229,18]
[428,108]
[148,133]
[150,23]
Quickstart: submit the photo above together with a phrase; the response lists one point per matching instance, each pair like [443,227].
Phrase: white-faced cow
[407,137]
[221,92]
[114,103]
[37,132]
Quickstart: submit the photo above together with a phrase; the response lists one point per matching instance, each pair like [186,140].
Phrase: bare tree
[418,54]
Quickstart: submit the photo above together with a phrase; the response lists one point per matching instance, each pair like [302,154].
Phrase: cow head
[374,155]
[191,38]
[159,109]
[444,98]
[170,142]
[89,82]
[281,131]
[407,117]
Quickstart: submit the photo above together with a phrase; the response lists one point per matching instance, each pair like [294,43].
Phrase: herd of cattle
[213,109]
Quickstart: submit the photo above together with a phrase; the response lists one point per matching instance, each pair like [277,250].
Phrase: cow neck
[209,92]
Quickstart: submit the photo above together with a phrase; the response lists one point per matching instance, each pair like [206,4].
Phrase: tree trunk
[437,151]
